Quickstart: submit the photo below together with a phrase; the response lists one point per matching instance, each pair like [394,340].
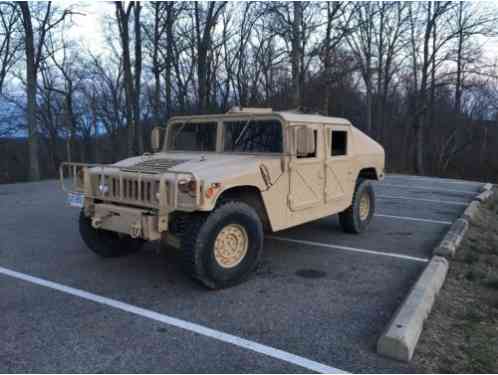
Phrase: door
[306,173]
[339,177]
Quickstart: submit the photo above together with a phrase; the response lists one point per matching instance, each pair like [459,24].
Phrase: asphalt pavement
[318,302]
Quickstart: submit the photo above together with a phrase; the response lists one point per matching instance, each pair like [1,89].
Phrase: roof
[303,117]
[287,116]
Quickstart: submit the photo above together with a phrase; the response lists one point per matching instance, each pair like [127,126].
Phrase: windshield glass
[191,136]
[253,136]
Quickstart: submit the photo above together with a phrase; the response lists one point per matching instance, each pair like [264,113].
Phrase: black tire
[198,251]
[105,243]
[350,219]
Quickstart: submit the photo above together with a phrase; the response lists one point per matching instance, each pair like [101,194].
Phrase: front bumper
[137,204]
[135,222]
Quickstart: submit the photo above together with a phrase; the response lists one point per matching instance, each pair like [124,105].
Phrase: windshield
[253,136]
[191,136]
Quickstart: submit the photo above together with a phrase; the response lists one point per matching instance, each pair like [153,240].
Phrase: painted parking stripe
[434,179]
[430,188]
[347,248]
[443,222]
[192,327]
[420,199]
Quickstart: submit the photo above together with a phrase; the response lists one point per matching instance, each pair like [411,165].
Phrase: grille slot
[154,165]
[129,189]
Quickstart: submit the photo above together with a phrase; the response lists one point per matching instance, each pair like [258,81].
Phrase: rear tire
[355,218]
[105,243]
[222,248]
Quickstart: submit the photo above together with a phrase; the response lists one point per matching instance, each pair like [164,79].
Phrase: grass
[461,334]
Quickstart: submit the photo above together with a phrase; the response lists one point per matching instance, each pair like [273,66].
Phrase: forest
[419,77]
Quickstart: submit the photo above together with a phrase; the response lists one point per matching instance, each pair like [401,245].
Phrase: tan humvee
[220,181]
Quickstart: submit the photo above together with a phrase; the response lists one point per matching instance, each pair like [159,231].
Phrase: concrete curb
[487,186]
[458,229]
[452,239]
[484,196]
[402,333]
[471,210]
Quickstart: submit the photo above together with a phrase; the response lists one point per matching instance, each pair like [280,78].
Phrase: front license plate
[75,199]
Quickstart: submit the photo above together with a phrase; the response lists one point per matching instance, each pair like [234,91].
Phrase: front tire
[355,218]
[105,243]
[222,248]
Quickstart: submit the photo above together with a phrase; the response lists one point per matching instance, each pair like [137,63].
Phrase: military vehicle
[219,182]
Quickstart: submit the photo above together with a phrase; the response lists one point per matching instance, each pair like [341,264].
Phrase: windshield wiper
[241,133]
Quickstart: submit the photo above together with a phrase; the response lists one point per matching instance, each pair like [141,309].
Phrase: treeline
[413,75]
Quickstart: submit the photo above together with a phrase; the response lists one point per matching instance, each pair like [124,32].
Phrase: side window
[339,143]
[311,154]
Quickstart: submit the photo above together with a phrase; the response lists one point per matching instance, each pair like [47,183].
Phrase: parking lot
[318,302]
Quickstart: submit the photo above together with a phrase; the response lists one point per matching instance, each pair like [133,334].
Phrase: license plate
[75,199]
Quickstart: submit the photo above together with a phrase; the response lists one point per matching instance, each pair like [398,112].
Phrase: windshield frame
[220,137]
[186,121]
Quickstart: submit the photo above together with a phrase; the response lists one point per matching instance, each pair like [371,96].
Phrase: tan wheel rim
[364,207]
[230,246]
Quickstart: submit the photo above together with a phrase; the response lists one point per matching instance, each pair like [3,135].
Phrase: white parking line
[421,199]
[429,188]
[347,248]
[415,219]
[434,179]
[192,327]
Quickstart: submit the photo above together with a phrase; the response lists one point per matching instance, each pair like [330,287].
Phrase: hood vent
[154,165]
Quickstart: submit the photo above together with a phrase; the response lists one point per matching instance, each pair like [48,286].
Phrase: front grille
[154,165]
[129,190]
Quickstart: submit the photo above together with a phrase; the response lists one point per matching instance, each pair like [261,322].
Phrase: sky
[89,30]
[88,27]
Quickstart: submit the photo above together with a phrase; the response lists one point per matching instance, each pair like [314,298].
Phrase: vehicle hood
[204,166]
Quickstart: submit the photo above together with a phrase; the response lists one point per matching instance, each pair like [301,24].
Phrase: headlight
[103,188]
[187,186]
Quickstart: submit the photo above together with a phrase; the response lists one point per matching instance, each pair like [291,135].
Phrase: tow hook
[97,221]
[135,230]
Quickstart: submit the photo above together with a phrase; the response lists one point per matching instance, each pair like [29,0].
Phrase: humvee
[219,182]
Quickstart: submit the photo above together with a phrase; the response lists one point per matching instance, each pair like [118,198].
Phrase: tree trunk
[123,19]
[138,76]
[31,73]
[296,55]
[155,65]
[95,130]
[169,55]
[421,116]
[458,83]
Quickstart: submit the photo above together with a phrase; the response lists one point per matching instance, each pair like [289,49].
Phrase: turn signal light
[211,190]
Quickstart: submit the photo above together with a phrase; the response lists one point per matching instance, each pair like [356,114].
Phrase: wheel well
[249,195]
[368,173]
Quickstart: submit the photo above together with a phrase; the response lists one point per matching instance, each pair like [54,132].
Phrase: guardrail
[152,190]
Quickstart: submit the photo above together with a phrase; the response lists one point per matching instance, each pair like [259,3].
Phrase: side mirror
[155,139]
[305,141]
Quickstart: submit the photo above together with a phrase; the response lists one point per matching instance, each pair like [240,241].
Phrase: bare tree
[123,19]
[34,39]
[10,44]
[338,25]
[361,44]
[205,22]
